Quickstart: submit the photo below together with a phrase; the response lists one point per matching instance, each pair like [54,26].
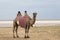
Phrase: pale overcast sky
[46,9]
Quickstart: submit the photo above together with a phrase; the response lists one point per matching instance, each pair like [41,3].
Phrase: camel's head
[34,15]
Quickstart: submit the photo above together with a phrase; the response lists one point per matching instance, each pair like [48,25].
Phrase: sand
[36,33]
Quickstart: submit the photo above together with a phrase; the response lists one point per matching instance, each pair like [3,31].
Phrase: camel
[27,24]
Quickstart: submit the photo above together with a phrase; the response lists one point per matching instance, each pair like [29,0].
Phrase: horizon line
[36,19]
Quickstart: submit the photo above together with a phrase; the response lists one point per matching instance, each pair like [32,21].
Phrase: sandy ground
[36,33]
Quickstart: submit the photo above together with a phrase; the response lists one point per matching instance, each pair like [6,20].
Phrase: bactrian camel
[27,24]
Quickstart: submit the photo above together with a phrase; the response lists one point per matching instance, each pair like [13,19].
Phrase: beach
[36,33]
[38,23]
[41,30]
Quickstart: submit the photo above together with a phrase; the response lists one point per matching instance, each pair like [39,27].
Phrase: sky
[46,9]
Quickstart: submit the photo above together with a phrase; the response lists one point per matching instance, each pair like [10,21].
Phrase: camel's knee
[13,29]
[26,31]
[16,28]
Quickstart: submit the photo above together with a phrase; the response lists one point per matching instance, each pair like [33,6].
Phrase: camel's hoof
[14,37]
[26,37]
[17,36]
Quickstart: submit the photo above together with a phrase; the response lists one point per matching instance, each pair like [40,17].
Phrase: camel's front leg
[15,28]
[27,30]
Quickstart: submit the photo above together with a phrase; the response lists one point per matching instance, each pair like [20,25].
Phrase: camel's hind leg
[16,31]
[15,28]
[13,31]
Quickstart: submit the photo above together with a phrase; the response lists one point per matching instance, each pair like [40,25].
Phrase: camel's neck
[34,17]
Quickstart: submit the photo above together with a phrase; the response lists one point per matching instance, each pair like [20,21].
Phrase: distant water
[37,23]
[6,23]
